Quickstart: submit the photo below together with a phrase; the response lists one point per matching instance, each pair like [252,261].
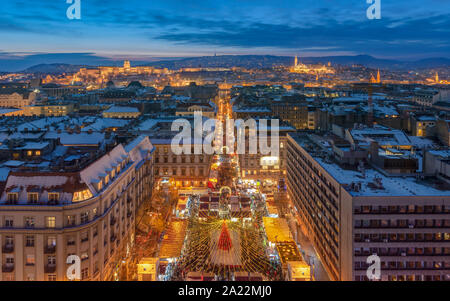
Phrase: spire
[224,238]
[436,78]
[378,77]
[295,61]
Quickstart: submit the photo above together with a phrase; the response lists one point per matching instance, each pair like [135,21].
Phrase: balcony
[8,248]
[50,268]
[112,221]
[113,238]
[51,249]
[8,268]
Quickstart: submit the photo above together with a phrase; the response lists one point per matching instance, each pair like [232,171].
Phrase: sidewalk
[320,273]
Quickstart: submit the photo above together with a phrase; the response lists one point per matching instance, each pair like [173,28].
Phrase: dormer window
[53,197]
[12,197]
[33,197]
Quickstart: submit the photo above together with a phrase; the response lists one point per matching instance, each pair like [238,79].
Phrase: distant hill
[226,61]
[53,68]
[266,61]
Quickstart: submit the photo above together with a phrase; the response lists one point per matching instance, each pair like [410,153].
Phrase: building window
[32,197]
[50,222]
[84,256]
[9,260]
[30,259]
[84,217]
[51,260]
[71,220]
[51,277]
[70,240]
[29,222]
[84,236]
[53,197]
[30,241]
[84,273]
[9,222]
[13,197]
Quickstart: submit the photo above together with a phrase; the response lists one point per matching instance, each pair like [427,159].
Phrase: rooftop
[390,185]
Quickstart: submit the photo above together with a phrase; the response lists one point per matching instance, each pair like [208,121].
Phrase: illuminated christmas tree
[224,239]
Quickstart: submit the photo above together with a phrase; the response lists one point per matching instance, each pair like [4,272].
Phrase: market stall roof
[173,239]
[272,209]
[299,270]
[277,229]
[288,251]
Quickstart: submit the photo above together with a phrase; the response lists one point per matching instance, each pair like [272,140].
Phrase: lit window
[32,198]
[13,197]
[30,259]
[50,222]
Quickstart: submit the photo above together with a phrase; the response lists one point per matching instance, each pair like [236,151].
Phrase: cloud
[430,33]
[309,25]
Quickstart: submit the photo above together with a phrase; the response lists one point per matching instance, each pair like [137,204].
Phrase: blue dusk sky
[141,29]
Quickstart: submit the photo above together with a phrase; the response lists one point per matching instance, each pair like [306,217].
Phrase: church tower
[295,61]
[436,78]
[378,77]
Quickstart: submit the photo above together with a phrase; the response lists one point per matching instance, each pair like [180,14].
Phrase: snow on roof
[34,145]
[42,183]
[40,124]
[383,135]
[8,110]
[96,170]
[13,163]
[147,124]
[118,109]
[441,153]
[4,172]
[138,148]
[103,123]
[82,138]
[251,109]
[426,118]
[393,186]
[421,142]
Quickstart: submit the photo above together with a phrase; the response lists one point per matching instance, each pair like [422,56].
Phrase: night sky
[409,29]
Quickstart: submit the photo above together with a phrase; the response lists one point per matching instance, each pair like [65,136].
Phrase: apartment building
[351,213]
[16,98]
[46,216]
[185,170]
[268,169]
